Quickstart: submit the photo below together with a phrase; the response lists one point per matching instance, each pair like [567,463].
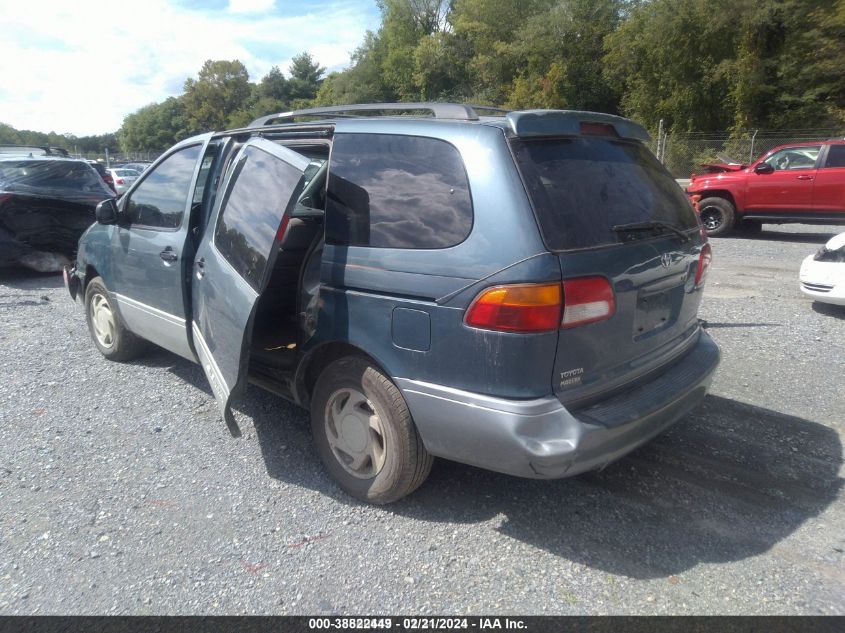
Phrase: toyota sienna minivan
[513,290]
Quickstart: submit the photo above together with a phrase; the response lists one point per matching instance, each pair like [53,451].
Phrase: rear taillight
[704,259]
[542,307]
[586,300]
[695,199]
[120,181]
[517,308]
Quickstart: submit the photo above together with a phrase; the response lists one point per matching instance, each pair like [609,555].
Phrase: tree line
[698,65]
[81,144]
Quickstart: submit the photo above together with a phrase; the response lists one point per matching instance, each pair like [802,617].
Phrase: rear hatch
[629,246]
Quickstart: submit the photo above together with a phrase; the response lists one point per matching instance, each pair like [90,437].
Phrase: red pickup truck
[801,182]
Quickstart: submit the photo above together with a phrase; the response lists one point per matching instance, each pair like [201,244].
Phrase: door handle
[805,177]
[200,264]
[168,255]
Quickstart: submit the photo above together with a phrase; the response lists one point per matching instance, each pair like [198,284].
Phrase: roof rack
[42,150]
[454,111]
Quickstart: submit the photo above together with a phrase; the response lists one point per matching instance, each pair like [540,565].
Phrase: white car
[123,178]
[823,274]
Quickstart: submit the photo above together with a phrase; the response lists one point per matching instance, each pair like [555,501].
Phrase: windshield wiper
[650,226]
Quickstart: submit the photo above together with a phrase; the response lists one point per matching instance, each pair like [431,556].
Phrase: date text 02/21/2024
[416,624]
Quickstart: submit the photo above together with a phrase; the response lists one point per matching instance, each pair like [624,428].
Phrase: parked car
[32,150]
[139,167]
[123,179]
[802,182]
[46,203]
[104,173]
[823,274]
[518,292]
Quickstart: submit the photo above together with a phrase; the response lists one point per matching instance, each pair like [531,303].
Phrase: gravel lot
[121,490]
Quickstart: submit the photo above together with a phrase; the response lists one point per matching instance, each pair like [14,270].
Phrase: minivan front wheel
[110,335]
[717,215]
[364,432]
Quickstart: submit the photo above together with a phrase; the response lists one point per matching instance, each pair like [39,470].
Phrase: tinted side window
[836,156]
[159,201]
[396,192]
[253,209]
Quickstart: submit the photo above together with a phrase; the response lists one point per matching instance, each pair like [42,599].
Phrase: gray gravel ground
[121,490]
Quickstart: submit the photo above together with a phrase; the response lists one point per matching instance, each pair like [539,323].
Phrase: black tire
[717,216]
[405,461]
[119,344]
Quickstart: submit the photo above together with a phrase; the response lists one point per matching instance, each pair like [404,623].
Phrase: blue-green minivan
[512,290]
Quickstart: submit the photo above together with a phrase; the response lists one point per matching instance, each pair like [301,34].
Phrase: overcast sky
[80,66]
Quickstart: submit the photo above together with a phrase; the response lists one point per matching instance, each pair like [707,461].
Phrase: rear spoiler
[532,123]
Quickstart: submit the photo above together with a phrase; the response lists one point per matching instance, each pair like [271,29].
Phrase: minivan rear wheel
[364,432]
[108,331]
[717,215]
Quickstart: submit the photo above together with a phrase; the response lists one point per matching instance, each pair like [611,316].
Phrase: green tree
[154,127]
[221,90]
[809,70]
[673,60]
[305,77]
[489,29]
[559,54]
[274,86]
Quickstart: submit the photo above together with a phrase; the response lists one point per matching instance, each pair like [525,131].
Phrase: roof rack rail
[43,150]
[454,111]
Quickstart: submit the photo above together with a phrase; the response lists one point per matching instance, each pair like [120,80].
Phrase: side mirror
[106,212]
[763,168]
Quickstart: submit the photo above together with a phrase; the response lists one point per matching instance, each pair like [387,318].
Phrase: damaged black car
[46,203]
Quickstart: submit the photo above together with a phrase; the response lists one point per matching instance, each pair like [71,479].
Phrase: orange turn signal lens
[517,308]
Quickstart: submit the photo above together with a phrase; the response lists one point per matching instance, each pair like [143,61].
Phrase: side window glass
[836,156]
[253,209]
[205,167]
[159,201]
[393,191]
[794,158]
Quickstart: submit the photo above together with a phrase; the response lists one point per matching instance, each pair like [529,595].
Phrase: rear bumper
[540,438]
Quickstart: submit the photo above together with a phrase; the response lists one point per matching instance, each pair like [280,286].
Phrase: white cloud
[75,67]
[250,6]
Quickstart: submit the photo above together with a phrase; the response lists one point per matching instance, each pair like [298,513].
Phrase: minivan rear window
[583,187]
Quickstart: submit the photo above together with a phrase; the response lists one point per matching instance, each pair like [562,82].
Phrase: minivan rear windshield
[585,187]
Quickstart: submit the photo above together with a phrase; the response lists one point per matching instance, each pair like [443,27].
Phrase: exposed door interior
[276,336]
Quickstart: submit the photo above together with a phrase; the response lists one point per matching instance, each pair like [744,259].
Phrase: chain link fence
[685,153]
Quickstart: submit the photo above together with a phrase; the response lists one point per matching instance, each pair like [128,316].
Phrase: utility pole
[660,141]
[108,163]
